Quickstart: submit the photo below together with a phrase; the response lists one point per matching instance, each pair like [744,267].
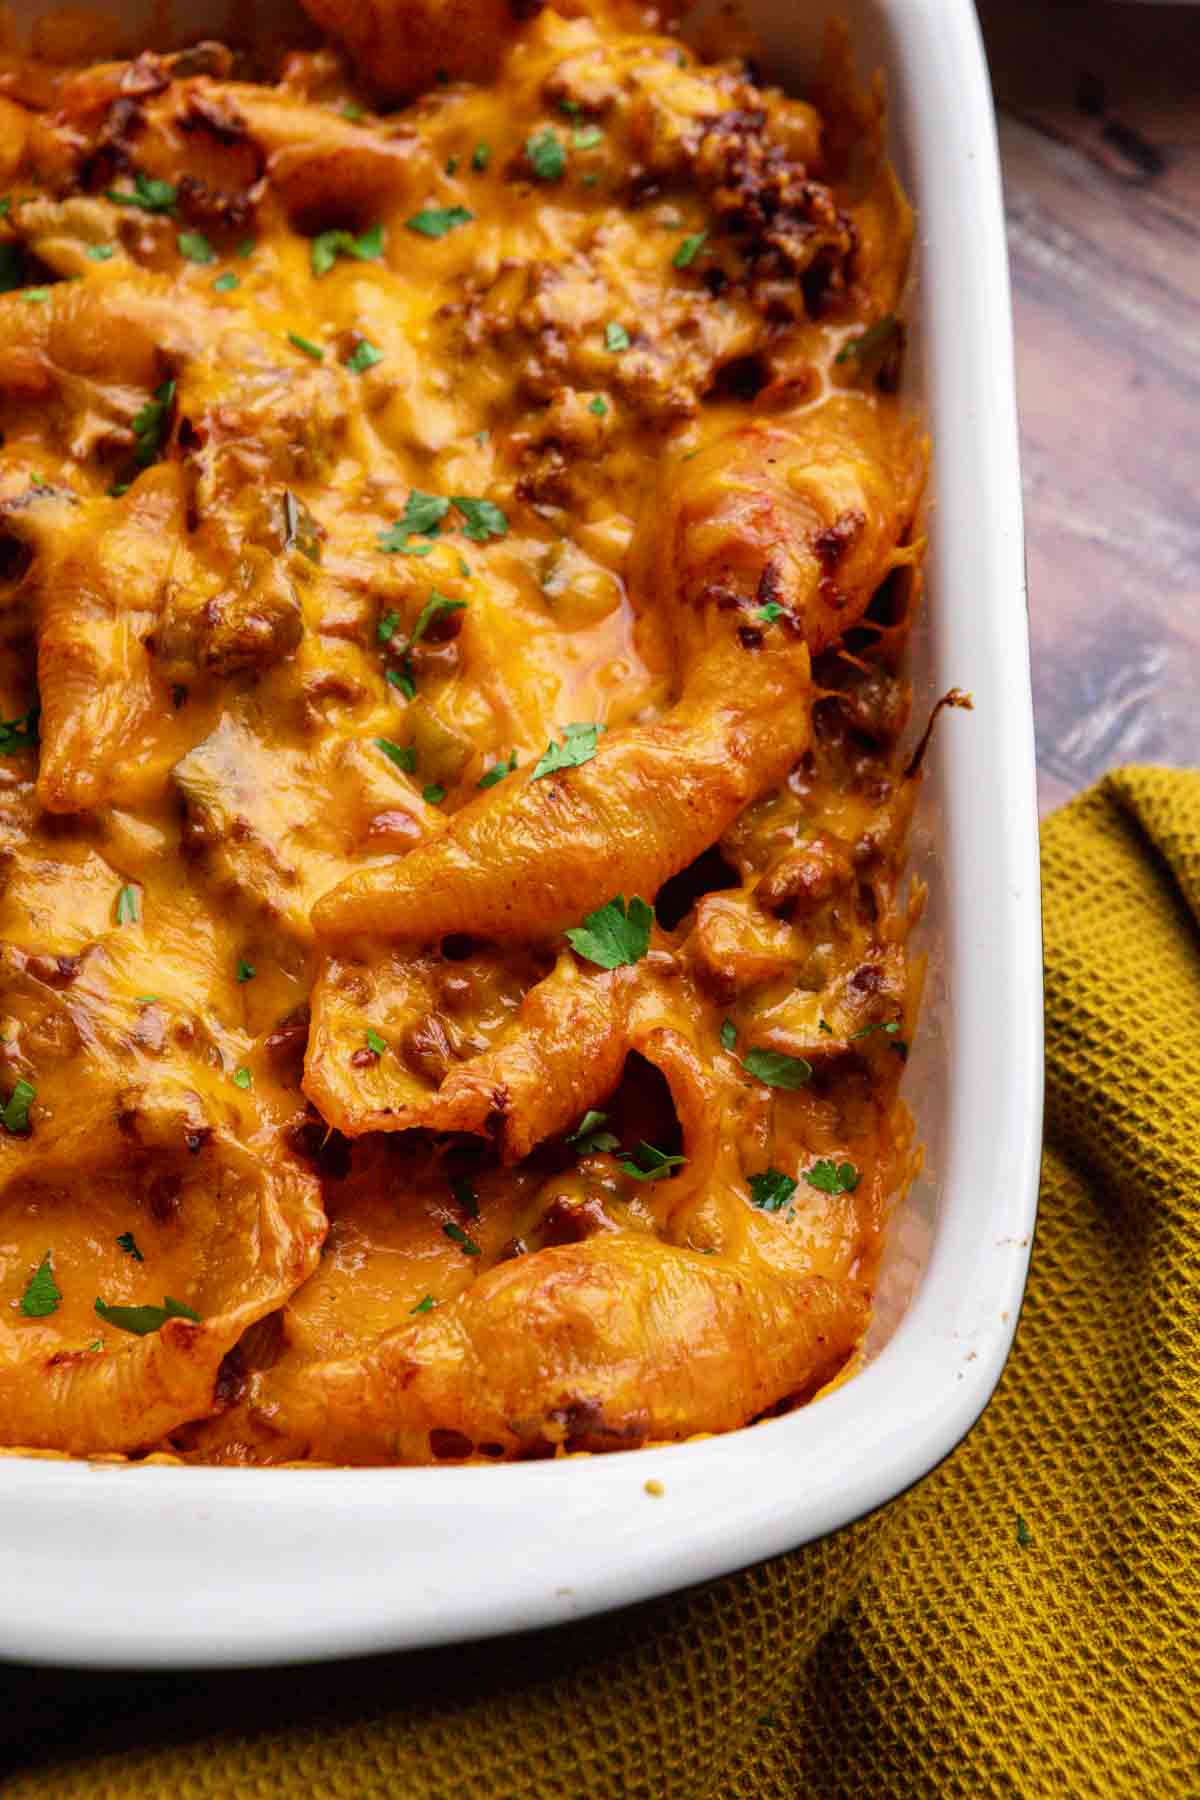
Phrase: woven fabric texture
[939,1648]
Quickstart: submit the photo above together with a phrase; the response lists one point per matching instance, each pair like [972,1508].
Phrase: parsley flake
[589,1135]
[434,607]
[385,631]
[364,356]
[41,1296]
[14,1115]
[824,1029]
[127,906]
[246,248]
[689,250]
[422,516]
[497,772]
[128,1244]
[613,935]
[458,1236]
[327,246]
[587,137]
[648,1164]
[142,1320]
[434,794]
[403,756]
[598,405]
[436,221]
[466,1196]
[225,284]
[481,156]
[152,424]
[196,247]
[547,158]
[19,734]
[350,109]
[242,1077]
[425,1305]
[306,346]
[770,612]
[616,337]
[483,520]
[245,970]
[829,1177]
[728,1035]
[101,252]
[1024,1535]
[876,339]
[578,746]
[375,1042]
[36,295]
[402,678]
[890,1026]
[771,1190]
[151,194]
[776,1069]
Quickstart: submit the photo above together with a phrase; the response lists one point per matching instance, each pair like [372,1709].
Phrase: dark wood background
[1099,108]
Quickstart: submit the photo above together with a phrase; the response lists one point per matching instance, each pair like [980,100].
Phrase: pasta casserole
[458,535]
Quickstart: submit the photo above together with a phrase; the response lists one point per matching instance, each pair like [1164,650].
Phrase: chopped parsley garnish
[350,109]
[434,794]
[245,970]
[225,284]
[771,1190]
[375,1042]
[364,356]
[196,247]
[770,612]
[466,1196]
[127,906]
[497,772]
[422,516]
[614,935]
[572,108]
[776,1069]
[589,1136]
[425,1305]
[824,1029]
[436,221]
[36,295]
[728,1035]
[451,165]
[246,248]
[306,345]
[14,1115]
[876,338]
[578,746]
[481,156]
[483,520]
[142,1320]
[689,250]
[146,999]
[434,607]
[41,1296]
[152,424]
[1024,1535]
[598,405]
[404,756]
[464,568]
[385,631]
[329,245]
[300,530]
[128,1244]
[547,158]
[151,194]
[648,1164]
[402,678]
[19,734]
[242,1077]
[615,336]
[587,137]
[829,1177]
[890,1026]
[101,252]
[458,1236]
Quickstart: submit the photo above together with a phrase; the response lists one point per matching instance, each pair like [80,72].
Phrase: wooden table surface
[1100,142]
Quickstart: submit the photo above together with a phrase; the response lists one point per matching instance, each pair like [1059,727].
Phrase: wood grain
[1100,144]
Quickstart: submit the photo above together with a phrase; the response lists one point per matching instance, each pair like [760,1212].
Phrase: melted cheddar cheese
[456,544]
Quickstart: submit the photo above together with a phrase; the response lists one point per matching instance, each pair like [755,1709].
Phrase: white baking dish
[109,1565]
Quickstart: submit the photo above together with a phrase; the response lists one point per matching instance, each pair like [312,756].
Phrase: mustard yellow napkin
[1024,1622]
